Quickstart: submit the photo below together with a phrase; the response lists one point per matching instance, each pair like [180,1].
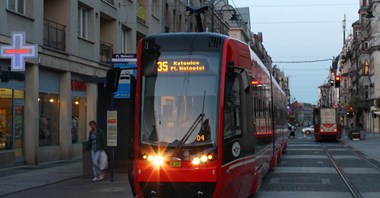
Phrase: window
[49,119]
[124,41]
[78,122]
[232,120]
[6,136]
[180,23]
[174,25]
[17,6]
[82,22]
[155,8]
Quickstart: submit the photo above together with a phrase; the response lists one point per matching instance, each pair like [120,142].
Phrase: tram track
[327,169]
[351,187]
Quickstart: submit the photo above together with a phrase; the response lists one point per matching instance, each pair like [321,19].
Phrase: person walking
[96,143]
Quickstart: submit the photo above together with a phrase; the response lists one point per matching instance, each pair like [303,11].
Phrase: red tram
[210,121]
[326,124]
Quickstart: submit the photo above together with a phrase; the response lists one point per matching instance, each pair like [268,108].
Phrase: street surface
[322,169]
[81,187]
[307,169]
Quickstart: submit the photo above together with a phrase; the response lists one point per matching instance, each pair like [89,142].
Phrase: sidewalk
[68,180]
[370,146]
[25,177]
[20,178]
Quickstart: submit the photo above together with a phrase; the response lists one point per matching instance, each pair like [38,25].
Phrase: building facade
[45,110]
[357,64]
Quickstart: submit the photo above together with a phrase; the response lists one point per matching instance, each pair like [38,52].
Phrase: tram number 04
[200,138]
[162,66]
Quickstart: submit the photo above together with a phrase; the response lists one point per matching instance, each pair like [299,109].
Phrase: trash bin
[354,134]
[362,134]
[86,161]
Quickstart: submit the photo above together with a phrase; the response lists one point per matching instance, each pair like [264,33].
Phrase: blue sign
[124,88]
[128,58]
[18,51]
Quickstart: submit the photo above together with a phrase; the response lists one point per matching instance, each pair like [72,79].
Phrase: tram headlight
[202,159]
[196,161]
[155,160]
[158,161]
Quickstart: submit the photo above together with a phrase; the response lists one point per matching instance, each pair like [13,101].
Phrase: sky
[299,30]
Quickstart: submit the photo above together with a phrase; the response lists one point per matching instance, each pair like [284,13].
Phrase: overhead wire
[304,5]
[304,61]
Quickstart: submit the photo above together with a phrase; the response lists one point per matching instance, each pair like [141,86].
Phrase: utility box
[362,134]
[86,161]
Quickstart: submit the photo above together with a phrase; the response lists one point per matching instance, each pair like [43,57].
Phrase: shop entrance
[18,130]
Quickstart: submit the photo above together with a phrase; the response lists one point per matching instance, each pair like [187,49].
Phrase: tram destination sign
[177,66]
[18,51]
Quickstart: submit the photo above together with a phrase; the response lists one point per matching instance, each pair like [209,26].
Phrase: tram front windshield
[179,100]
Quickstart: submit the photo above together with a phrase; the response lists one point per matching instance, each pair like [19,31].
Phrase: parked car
[308,130]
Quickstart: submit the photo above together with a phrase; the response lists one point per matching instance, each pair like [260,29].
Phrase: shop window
[6,137]
[78,125]
[49,119]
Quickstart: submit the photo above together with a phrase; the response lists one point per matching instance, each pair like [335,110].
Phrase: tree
[356,105]
[357,108]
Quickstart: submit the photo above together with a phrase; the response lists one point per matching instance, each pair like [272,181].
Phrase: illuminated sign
[18,51]
[78,85]
[176,66]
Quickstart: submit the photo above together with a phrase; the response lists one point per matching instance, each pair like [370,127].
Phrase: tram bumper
[176,182]
[177,189]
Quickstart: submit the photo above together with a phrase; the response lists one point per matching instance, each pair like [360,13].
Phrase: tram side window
[232,120]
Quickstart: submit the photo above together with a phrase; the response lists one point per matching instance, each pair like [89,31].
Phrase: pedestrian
[97,144]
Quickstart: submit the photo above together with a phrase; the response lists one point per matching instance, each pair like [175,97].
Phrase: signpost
[127,64]
[18,51]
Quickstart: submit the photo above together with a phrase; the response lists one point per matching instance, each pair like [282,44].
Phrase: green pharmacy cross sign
[18,51]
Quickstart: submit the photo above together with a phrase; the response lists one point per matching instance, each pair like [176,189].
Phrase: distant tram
[326,124]
[210,118]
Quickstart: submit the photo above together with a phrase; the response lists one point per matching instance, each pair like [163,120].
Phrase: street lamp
[235,16]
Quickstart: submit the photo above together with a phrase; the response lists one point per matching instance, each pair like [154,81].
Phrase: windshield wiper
[190,131]
[193,126]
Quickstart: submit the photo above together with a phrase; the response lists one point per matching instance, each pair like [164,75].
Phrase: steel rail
[351,187]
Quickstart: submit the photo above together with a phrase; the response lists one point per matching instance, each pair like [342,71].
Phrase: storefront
[12,99]
[62,116]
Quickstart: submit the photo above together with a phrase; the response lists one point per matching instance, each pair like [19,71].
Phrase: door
[18,130]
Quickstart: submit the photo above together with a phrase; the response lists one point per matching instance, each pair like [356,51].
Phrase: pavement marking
[361,171]
[286,194]
[304,157]
[305,170]
[111,189]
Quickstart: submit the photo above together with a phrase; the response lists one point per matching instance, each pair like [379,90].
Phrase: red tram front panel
[195,118]
[326,124]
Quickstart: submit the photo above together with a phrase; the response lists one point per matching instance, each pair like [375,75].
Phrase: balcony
[54,35]
[106,51]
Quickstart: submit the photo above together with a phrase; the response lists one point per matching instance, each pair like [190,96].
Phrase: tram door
[18,130]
